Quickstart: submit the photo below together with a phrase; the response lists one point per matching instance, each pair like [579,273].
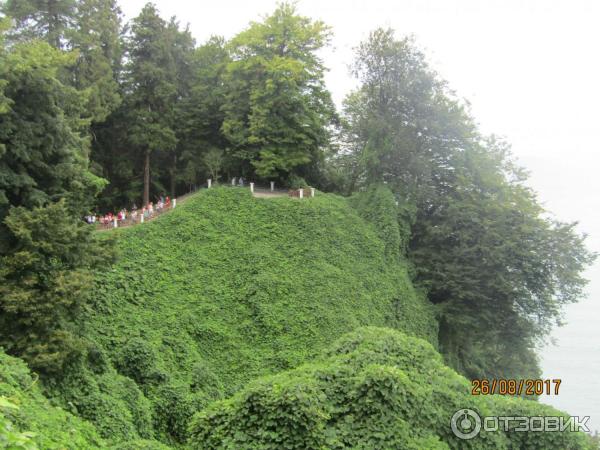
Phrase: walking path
[265,193]
[257,192]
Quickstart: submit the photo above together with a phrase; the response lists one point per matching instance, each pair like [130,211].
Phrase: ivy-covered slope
[28,420]
[375,388]
[226,288]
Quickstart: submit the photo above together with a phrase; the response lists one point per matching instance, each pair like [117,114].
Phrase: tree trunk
[146,178]
[173,172]
[53,27]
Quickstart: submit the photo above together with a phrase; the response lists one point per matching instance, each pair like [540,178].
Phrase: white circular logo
[466,424]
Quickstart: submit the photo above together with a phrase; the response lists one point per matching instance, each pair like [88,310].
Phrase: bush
[140,444]
[377,205]
[174,406]
[375,388]
[296,182]
[23,407]
[10,438]
[91,395]
[138,360]
[205,380]
[111,417]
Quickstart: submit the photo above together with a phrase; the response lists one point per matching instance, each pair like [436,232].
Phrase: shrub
[140,444]
[23,407]
[205,380]
[111,417]
[375,388]
[137,360]
[173,409]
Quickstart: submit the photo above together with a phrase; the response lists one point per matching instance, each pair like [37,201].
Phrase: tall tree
[45,19]
[152,89]
[96,36]
[45,155]
[182,48]
[405,124]
[201,115]
[277,110]
[498,270]
[46,251]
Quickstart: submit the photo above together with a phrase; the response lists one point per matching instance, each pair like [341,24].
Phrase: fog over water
[531,72]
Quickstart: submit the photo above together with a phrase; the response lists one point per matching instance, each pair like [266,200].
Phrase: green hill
[215,327]
[226,288]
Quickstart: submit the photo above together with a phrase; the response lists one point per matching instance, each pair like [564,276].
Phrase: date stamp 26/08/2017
[515,387]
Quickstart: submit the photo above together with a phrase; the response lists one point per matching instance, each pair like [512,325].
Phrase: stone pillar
[272,186]
[252,187]
[209,183]
[142,218]
[312,192]
[233,181]
[174,202]
[301,191]
[115,222]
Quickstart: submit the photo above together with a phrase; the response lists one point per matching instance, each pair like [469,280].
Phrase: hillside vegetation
[233,296]
[27,418]
[374,388]
[226,288]
[138,334]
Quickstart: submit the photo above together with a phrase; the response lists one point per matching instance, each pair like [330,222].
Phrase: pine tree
[45,187]
[45,19]
[96,36]
[152,87]
[201,116]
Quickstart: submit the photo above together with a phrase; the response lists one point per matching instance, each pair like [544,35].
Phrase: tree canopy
[496,265]
[277,109]
[45,186]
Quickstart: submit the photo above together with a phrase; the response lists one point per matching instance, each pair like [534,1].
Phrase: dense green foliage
[95,37]
[200,140]
[43,19]
[258,102]
[24,408]
[228,287]
[374,388]
[277,108]
[97,115]
[498,269]
[378,205]
[43,154]
[45,184]
[44,277]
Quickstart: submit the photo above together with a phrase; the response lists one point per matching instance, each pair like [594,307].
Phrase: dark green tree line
[257,106]
[496,266]
[46,252]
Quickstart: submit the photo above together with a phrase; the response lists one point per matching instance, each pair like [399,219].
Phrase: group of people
[133,216]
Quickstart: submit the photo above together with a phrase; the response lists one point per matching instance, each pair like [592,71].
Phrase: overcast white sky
[531,71]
